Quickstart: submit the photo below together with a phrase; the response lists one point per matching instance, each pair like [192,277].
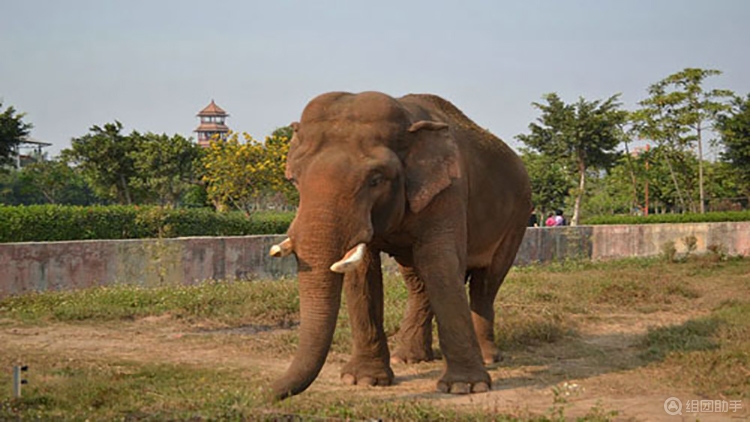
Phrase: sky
[152,65]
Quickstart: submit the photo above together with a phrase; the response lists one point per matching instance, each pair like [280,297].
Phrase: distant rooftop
[212,110]
[28,141]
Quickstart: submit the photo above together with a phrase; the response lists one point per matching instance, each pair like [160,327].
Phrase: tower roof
[212,110]
[212,127]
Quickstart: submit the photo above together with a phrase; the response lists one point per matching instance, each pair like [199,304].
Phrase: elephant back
[467,130]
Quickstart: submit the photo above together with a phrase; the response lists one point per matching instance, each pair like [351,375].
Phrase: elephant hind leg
[415,334]
[483,286]
[482,291]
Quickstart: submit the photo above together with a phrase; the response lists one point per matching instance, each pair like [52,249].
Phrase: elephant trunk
[317,247]
[319,309]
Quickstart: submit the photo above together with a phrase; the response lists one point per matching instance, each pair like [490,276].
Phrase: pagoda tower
[212,123]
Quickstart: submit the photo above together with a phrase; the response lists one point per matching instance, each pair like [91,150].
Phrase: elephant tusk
[350,260]
[282,249]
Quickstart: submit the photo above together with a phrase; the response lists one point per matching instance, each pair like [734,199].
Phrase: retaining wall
[26,267]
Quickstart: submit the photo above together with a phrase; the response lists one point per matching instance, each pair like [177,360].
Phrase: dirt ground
[603,374]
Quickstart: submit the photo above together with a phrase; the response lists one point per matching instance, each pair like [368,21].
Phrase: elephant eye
[376,179]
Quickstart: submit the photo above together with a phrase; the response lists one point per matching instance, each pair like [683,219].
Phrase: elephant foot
[490,354]
[412,354]
[465,383]
[360,371]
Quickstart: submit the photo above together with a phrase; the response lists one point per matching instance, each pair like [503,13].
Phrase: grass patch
[693,335]
[229,303]
[643,289]
[517,330]
[709,354]
[108,390]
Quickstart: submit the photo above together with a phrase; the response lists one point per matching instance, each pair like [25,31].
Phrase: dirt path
[597,368]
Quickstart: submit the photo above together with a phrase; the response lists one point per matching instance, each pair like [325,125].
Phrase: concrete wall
[26,267]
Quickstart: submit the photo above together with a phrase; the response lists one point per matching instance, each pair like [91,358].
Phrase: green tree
[654,121]
[12,130]
[672,178]
[14,190]
[165,166]
[550,181]
[45,182]
[687,109]
[583,135]
[726,188]
[283,132]
[277,148]
[613,192]
[245,175]
[57,183]
[734,128]
[105,158]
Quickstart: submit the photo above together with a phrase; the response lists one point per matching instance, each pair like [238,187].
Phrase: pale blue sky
[154,64]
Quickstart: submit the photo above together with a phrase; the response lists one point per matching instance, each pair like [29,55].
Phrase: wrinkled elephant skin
[415,178]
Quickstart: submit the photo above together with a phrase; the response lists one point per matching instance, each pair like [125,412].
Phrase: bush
[37,223]
[670,218]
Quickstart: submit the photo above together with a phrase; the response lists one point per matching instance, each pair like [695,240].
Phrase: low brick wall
[26,267]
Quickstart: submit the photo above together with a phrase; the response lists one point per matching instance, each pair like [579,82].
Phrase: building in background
[213,120]
[28,151]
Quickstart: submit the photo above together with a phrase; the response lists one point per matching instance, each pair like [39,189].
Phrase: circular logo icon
[673,406]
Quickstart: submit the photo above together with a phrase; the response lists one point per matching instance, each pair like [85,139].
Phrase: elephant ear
[432,163]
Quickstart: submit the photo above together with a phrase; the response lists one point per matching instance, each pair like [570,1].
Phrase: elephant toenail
[443,387]
[460,388]
[348,379]
[367,381]
[480,387]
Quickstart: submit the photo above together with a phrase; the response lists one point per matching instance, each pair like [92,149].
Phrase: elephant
[415,178]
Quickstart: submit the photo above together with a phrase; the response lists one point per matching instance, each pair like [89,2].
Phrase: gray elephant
[417,179]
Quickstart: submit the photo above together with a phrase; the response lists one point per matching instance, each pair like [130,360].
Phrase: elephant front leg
[369,364]
[439,264]
[415,333]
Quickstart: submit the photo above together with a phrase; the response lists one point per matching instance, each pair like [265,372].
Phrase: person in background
[551,221]
[560,219]
[533,219]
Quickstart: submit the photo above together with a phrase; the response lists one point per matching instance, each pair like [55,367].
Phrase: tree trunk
[125,190]
[700,170]
[676,185]
[632,176]
[579,195]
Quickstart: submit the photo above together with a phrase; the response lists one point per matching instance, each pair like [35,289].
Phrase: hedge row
[55,222]
[38,223]
[711,217]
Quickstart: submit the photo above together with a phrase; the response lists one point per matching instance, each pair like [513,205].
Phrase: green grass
[227,303]
[710,354]
[121,389]
[693,335]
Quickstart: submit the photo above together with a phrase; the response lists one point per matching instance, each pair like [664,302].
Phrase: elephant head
[362,163]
